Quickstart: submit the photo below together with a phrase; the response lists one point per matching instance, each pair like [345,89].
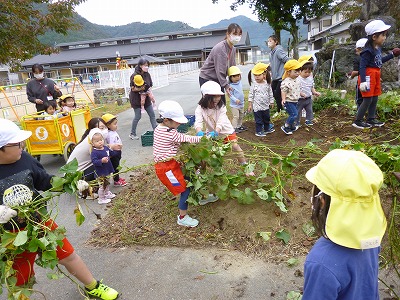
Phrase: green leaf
[283,235]
[263,194]
[308,229]
[7,238]
[21,239]
[281,206]
[291,262]
[79,216]
[70,167]
[292,295]
[264,235]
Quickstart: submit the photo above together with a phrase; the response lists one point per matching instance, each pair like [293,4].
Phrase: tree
[284,15]
[24,21]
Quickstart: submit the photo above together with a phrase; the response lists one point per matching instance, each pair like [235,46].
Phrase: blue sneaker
[261,133]
[309,123]
[270,129]
[286,130]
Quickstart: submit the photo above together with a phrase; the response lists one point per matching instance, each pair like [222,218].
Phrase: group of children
[66,104]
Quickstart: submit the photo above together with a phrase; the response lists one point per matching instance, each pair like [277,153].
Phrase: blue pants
[183,205]
[262,119]
[291,108]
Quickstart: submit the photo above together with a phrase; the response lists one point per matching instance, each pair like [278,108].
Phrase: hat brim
[180,120]
[22,135]
[381,29]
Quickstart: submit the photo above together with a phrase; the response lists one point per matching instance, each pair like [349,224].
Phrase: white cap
[211,88]
[361,43]
[92,132]
[376,26]
[10,133]
[172,110]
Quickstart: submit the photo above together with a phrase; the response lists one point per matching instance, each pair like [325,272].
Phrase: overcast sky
[195,13]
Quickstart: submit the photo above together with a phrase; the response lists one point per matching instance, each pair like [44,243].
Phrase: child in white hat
[346,211]
[165,147]
[370,73]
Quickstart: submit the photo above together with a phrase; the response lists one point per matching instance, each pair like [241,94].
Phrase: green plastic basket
[183,128]
[147,138]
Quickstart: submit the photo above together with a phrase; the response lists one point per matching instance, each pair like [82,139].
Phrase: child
[211,111]
[236,96]
[67,103]
[346,211]
[101,160]
[307,90]
[290,94]
[166,144]
[146,91]
[370,73]
[356,67]
[261,98]
[50,111]
[113,138]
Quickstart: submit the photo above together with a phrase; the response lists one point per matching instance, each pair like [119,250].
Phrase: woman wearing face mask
[41,90]
[142,69]
[221,57]
[82,150]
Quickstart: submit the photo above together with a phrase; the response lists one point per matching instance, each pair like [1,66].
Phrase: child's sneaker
[103,201]
[375,123]
[361,125]
[271,126]
[270,129]
[187,221]
[211,198]
[261,133]
[120,182]
[242,128]
[286,130]
[309,123]
[109,195]
[103,291]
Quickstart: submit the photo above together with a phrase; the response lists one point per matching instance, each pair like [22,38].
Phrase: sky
[196,13]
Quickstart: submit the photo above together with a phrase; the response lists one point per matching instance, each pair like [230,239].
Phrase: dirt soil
[145,213]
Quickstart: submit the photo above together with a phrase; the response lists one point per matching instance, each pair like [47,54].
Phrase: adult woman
[142,69]
[221,57]
[82,150]
[277,59]
[41,89]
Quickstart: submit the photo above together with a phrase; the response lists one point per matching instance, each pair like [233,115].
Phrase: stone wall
[109,95]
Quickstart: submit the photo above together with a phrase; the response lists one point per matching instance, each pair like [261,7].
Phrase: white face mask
[235,39]
[145,68]
[39,76]
[104,133]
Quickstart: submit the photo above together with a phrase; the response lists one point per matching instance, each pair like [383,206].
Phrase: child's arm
[270,99]
[315,93]
[251,98]
[182,138]
[284,91]
[198,123]
[97,161]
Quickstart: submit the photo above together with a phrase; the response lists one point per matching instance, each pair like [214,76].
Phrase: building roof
[151,59]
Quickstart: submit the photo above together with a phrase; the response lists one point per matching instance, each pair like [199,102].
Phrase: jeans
[138,116]
[262,119]
[276,90]
[183,205]
[305,103]
[368,104]
[291,108]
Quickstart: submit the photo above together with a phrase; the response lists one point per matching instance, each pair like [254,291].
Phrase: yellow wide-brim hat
[108,117]
[259,68]
[291,64]
[305,58]
[355,218]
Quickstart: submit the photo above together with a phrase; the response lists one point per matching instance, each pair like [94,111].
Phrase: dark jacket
[134,97]
[372,58]
[41,89]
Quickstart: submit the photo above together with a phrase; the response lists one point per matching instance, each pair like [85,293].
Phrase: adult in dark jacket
[41,89]
[221,57]
[142,69]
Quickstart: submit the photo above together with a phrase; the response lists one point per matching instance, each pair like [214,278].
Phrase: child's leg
[183,205]
[235,117]
[142,99]
[238,153]
[372,108]
[115,163]
[291,108]
[309,111]
[266,119]
[363,108]
[240,118]
[259,121]
[151,96]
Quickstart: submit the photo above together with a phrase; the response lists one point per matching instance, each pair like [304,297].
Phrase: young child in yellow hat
[138,81]
[346,211]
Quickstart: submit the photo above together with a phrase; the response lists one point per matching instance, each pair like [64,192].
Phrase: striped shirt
[167,141]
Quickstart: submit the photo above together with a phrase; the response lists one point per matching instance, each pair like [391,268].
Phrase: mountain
[258,32]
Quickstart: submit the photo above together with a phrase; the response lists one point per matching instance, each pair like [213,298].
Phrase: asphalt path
[157,272]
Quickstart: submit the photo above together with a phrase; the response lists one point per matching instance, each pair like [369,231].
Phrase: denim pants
[138,116]
[262,119]
[291,109]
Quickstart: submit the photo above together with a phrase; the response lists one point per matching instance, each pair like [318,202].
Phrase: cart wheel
[68,148]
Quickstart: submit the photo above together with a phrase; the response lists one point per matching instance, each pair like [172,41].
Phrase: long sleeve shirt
[41,89]
[306,85]
[216,66]
[167,141]
[291,88]
[102,169]
[213,119]
[261,96]
[372,58]
[277,59]
[236,94]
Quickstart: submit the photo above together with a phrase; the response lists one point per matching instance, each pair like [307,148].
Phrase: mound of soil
[145,213]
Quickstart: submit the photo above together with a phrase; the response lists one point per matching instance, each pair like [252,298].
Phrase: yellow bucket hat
[108,117]
[62,97]
[305,58]
[352,180]
[138,80]
[259,68]
[291,64]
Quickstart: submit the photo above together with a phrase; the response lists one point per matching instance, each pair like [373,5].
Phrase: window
[327,23]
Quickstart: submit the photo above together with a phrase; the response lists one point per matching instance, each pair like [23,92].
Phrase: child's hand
[238,101]
[283,102]
[56,88]
[317,94]
[302,95]
[104,160]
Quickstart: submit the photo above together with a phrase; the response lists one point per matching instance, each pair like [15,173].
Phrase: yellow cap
[63,97]
[108,117]
[291,64]
[305,58]
[259,68]
[234,70]
[138,80]
[355,218]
